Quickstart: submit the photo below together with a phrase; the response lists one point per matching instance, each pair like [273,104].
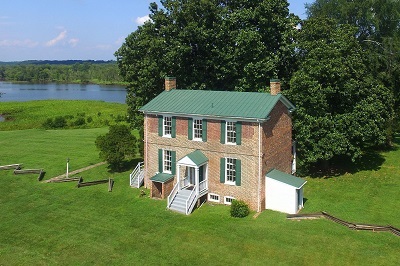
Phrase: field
[28,115]
[48,223]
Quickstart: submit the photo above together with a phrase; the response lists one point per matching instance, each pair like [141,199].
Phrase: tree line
[340,66]
[84,72]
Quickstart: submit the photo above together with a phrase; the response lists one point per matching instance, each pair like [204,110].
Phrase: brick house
[216,146]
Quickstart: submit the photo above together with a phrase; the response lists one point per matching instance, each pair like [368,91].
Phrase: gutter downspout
[259,167]
[145,147]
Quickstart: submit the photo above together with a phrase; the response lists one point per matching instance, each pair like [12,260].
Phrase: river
[21,92]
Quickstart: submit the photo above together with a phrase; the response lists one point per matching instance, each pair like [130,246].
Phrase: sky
[74,29]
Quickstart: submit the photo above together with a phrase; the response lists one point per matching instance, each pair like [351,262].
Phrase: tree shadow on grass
[125,166]
[370,161]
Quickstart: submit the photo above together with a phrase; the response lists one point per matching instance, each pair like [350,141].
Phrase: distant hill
[57,62]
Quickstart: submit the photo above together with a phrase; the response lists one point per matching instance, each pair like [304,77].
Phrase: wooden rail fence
[11,166]
[31,171]
[96,182]
[353,226]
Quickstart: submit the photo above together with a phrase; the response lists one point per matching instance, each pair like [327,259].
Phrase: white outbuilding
[283,192]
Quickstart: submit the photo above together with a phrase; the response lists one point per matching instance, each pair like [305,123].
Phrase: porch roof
[286,178]
[162,177]
[196,158]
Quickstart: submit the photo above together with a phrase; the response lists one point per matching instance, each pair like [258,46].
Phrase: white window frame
[228,200]
[229,133]
[167,161]
[167,126]
[199,130]
[230,171]
[211,195]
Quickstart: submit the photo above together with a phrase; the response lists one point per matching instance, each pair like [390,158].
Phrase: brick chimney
[170,83]
[275,85]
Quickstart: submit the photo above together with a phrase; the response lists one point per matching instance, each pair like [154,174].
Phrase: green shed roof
[161,177]
[224,104]
[286,178]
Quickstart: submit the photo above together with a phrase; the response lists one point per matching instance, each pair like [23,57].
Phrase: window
[228,200]
[167,126]
[167,161]
[197,129]
[213,197]
[230,169]
[230,132]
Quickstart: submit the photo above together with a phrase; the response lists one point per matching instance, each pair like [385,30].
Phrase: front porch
[191,184]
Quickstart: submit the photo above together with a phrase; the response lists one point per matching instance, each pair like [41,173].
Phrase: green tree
[117,146]
[208,44]
[342,110]
[378,32]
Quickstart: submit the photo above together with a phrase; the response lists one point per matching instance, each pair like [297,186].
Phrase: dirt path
[76,171]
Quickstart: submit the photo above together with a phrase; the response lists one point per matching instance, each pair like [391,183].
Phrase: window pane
[231,132]
[167,125]
[167,161]
[230,170]
[197,129]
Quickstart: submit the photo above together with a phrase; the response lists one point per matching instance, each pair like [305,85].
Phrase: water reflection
[27,92]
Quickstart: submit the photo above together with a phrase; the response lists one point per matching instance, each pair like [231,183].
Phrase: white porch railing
[172,195]
[203,186]
[190,201]
[137,175]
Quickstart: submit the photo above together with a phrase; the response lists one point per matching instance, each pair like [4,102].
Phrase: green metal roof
[286,178]
[197,157]
[161,177]
[224,104]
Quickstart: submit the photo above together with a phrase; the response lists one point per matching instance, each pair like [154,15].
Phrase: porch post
[178,177]
[197,180]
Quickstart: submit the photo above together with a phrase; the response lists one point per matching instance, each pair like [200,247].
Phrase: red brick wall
[276,140]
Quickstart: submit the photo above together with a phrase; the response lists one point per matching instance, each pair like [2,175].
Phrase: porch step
[179,202]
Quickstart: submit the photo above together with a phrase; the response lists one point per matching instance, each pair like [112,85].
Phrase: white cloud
[142,20]
[57,39]
[73,42]
[18,43]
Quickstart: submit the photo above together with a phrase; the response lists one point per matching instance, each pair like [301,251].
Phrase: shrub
[79,121]
[59,122]
[48,124]
[89,119]
[117,146]
[239,209]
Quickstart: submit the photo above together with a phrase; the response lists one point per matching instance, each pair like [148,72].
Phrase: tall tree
[342,110]
[378,32]
[207,44]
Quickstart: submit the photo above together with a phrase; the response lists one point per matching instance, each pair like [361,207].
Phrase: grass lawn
[48,223]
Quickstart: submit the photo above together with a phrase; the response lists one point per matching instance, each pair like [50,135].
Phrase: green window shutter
[204,133]
[238,168]
[173,127]
[160,126]
[223,127]
[222,170]
[238,133]
[190,128]
[173,161]
[160,160]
